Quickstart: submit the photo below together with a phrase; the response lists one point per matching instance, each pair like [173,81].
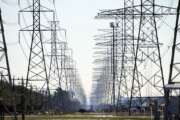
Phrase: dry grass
[82,117]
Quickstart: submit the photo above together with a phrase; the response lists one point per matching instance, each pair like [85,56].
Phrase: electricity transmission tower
[4,61]
[54,68]
[127,42]
[148,51]
[106,70]
[144,44]
[5,73]
[114,61]
[173,87]
[37,71]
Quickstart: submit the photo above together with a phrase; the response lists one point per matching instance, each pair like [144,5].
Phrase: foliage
[37,101]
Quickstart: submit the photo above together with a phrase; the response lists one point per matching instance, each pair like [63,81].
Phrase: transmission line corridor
[89,60]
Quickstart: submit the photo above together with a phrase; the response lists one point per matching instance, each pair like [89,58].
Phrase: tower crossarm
[136,11]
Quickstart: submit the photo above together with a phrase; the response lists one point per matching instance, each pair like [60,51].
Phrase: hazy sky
[77,16]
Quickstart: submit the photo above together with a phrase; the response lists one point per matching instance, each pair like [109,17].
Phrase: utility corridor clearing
[85,116]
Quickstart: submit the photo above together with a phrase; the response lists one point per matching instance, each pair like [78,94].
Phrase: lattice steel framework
[5,74]
[127,51]
[37,66]
[103,71]
[113,45]
[173,87]
[146,45]
[147,50]
[54,68]
[37,71]
[4,61]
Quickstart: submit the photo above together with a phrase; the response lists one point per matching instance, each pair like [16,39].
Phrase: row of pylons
[132,60]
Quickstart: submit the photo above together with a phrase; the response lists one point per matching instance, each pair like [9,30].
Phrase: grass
[82,117]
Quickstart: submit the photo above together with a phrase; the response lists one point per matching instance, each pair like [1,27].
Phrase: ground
[85,116]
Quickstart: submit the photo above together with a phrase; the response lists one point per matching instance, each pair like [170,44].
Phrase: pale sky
[77,16]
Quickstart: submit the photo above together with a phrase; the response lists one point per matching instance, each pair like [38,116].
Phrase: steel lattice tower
[145,43]
[173,87]
[54,69]
[37,71]
[105,72]
[5,73]
[127,50]
[114,61]
[37,66]
[147,50]
[4,61]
